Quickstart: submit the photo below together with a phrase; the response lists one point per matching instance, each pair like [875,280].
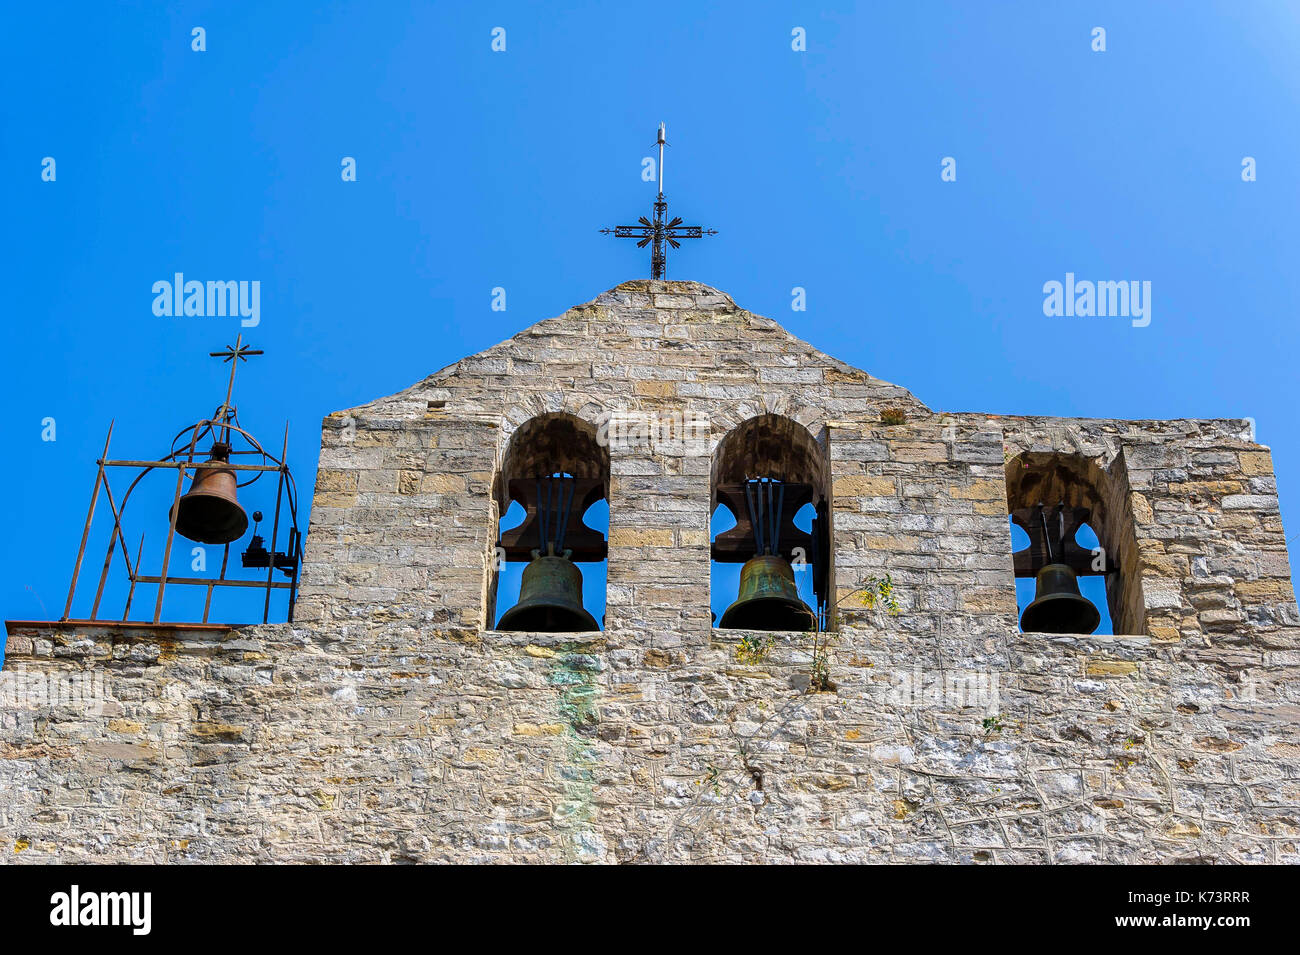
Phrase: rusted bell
[1058,606]
[209,512]
[550,599]
[768,599]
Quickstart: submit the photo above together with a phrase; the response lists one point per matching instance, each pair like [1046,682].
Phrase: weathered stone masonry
[387,724]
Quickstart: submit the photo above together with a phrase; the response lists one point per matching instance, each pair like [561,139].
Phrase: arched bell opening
[808,520]
[770,529]
[1092,587]
[551,552]
[1066,532]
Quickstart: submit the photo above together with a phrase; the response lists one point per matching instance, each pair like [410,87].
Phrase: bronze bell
[1058,606]
[768,599]
[550,599]
[209,512]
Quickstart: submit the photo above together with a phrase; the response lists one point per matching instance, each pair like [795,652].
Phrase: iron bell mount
[550,590]
[768,598]
[1058,606]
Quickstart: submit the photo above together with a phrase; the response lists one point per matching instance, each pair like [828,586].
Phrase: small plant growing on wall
[819,680]
[876,594]
[879,593]
[892,416]
[754,649]
[712,779]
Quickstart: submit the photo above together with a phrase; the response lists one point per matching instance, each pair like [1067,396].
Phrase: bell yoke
[765,533]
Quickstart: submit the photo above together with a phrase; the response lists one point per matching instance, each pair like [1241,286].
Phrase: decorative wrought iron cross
[662,230]
[233,354]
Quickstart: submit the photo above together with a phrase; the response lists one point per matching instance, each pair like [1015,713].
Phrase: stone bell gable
[389,722]
[430,456]
[410,487]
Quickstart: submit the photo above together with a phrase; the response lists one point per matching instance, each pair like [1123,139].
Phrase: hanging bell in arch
[209,512]
[550,599]
[1058,606]
[768,599]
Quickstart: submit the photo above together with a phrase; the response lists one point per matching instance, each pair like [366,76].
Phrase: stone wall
[388,725]
[399,743]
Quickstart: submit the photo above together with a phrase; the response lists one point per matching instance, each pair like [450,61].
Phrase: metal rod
[293,581]
[663,133]
[114,538]
[85,532]
[1047,535]
[547,547]
[193,465]
[204,581]
[171,535]
[776,522]
[541,519]
[103,574]
[108,554]
[230,387]
[275,527]
[117,524]
[566,495]
[816,562]
[126,611]
[755,517]
[767,516]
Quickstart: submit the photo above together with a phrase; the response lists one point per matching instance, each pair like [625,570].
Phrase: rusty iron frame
[220,426]
[183,461]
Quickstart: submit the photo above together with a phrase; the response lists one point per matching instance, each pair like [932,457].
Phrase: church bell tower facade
[455,687]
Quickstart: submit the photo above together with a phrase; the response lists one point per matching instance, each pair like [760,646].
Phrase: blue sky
[479,169]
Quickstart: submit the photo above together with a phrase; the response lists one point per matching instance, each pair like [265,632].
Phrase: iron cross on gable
[662,231]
